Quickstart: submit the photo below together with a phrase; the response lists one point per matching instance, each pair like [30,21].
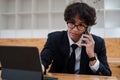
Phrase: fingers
[88,39]
[88,36]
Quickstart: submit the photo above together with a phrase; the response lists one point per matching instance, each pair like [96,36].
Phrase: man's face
[76,29]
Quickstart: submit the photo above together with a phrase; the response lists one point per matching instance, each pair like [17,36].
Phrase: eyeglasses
[81,26]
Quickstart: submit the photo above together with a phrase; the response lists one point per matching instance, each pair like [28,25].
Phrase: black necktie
[72,59]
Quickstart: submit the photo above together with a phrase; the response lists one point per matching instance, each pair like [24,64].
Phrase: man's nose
[75,28]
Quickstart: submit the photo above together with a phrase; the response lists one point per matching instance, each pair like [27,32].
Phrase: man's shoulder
[57,36]
[57,33]
[97,38]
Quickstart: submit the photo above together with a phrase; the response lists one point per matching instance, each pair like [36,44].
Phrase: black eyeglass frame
[79,27]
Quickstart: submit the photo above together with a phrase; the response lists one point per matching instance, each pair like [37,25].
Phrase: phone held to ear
[86,32]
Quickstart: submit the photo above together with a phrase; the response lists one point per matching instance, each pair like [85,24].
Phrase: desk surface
[78,77]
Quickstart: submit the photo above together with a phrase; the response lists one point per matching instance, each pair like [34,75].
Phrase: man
[88,57]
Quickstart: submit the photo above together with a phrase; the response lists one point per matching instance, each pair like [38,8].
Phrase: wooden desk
[114,64]
[78,77]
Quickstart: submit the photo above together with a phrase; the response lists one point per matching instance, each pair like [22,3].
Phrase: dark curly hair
[85,12]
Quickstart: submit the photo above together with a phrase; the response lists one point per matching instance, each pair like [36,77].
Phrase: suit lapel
[65,50]
[65,45]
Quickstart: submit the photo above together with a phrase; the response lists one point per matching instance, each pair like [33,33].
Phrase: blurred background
[37,18]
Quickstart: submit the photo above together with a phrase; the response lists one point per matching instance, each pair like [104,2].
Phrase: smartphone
[86,32]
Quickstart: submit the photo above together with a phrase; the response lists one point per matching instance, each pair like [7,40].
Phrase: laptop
[21,63]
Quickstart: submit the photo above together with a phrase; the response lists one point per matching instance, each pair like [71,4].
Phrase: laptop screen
[21,63]
[20,57]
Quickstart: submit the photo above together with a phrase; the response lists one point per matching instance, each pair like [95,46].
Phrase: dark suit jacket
[57,49]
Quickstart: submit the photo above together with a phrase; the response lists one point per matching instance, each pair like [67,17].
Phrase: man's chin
[74,38]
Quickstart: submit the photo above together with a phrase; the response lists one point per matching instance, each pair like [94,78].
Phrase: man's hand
[89,44]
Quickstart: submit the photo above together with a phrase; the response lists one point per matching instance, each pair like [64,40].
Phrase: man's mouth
[73,34]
